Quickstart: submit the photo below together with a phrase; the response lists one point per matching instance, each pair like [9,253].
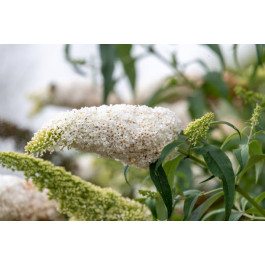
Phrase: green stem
[201,162]
[252,217]
[251,200]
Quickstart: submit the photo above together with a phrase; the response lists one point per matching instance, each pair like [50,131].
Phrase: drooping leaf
[226,123]
[125,174]
[198,213]
[108,56]
[215,85]
[235,47]
[128,62]
[216,49]
[231,138]
[160,181]
[166,151]
[189,203]
[220,165]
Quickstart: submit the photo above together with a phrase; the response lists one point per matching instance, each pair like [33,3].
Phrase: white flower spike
[131,134]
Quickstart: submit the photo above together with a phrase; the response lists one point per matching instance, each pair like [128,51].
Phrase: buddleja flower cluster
[255,116]
[131,134]
[21,201]
[79,199]
[198,129]
[250,96]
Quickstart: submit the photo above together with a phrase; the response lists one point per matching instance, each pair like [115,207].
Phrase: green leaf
[128,62]
[151,204]
[211,177]
[260,197]
[171,165]
[170,169]
[197,214]
[125,174]
[216,49]
[227,140]
[161,209]
[227,123]
[236,216]
[160,181]
[235,46]
[255,149]
[197,105]
[220,165]
[166,151]
[189,203]
[214,212]
[203,64]
[242,156]
[260,53]
[166,91]
[215,85]
[108,56]
[251,162]
[74,62]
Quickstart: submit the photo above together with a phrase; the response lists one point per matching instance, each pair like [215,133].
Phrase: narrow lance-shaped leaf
[242,156]
[160,181]
[166,151]
[108,56]
[211,177]
[259,51]
[236,216]
[235,47]
[198,213]
[226,123]
[220,166]
[216,49]
[212,213]
[189,203]
[128,62]
[125,174]
[258,199]
[251,162]
[215,85]
[255,149]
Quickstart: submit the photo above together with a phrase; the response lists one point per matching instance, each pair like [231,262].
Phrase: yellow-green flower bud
[255,116]
[197,129]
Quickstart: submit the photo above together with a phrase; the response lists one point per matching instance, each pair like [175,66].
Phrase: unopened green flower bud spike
[198,129]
